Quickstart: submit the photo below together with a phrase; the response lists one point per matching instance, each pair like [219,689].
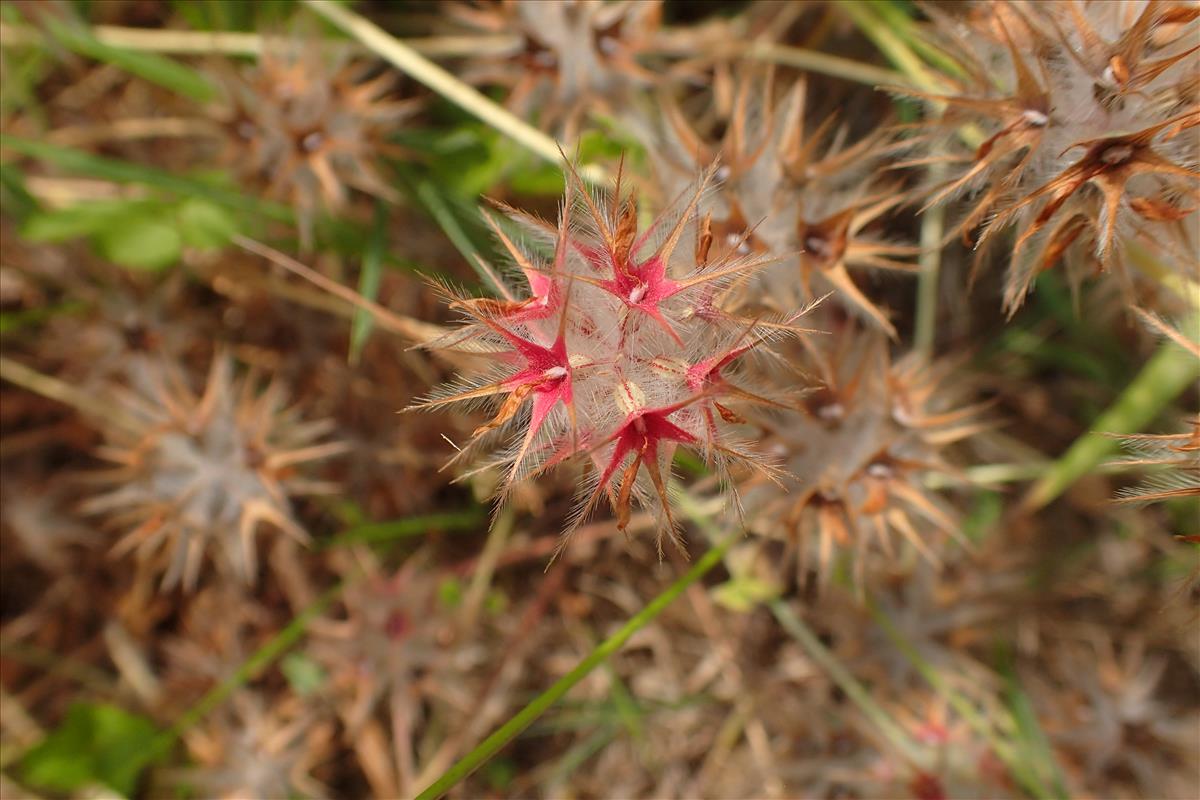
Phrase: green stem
[933,228]
[890,44]
[472,518]
[540,704]
[1171,370]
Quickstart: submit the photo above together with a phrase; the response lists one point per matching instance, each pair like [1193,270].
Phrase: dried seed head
[868,437]
[256,746]
[195,476]
[805,195]
[1106,711]
[571,58]
[1089,113]
[307,129]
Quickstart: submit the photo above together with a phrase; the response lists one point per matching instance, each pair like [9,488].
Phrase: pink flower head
[617,352]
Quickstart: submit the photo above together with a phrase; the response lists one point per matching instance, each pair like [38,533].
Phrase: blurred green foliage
[95,744]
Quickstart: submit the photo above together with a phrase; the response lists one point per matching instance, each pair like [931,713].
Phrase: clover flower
[306,129]
[618,351]
[868,435]
[811,197]
[573,58]
[195,476]
[1088,114]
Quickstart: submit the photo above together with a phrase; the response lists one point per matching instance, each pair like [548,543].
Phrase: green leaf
[204,224]
[155,68]
[94,744]
[141,241]
[304,675]
[744,593]
[85,219]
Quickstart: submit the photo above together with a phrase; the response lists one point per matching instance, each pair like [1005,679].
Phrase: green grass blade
[540,704]
[81,163]
[1022,770]
[579,754]
[1168,373]
[891,42]
[408,527]
[439,207]
[1032,742]
[878,716]
[152,67]
[368,285]
[409,61]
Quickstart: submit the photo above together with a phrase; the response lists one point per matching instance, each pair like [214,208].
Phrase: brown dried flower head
[307,127]
[570,58]
[196,476]
[808,196]
[1089,115]
[869,434]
